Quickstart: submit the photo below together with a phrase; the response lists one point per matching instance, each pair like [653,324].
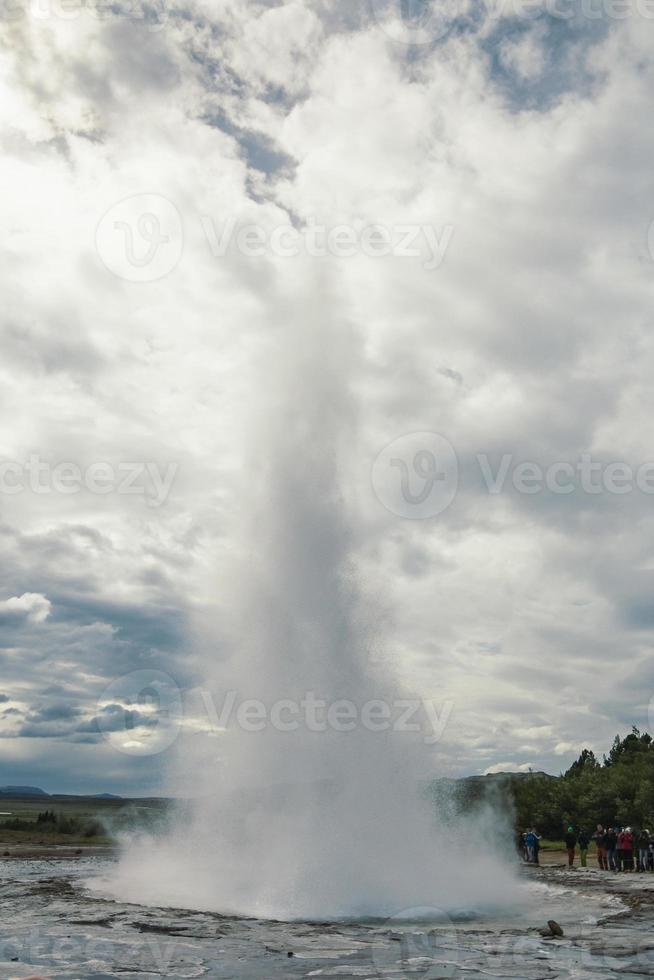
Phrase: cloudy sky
[469,187]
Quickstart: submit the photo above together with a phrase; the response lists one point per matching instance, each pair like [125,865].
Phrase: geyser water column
[300,818]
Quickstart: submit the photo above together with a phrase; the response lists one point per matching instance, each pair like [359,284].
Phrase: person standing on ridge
[642,842]
[611,848]
[536,845]
[571,844]
[521,845]
[622,851]
[601,841]
[584,841]
[530,841]
[628,850]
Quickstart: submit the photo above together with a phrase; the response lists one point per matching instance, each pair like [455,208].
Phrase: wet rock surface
[53,926]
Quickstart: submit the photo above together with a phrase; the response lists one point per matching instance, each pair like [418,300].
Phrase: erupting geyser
[294,822]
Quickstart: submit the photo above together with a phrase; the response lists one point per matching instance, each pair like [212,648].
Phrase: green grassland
[75,821]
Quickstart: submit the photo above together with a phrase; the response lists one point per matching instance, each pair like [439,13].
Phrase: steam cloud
[306,824]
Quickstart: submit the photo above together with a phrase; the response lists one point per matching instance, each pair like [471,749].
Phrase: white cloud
[31,606]
[565,748]
[507,767]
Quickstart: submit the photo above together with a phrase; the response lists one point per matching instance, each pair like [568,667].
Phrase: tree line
[619,790]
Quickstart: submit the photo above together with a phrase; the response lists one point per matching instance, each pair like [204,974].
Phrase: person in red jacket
[619,853]
[627,846]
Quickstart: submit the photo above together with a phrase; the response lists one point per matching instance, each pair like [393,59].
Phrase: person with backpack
[530,842]
[521,845]
[533,846]
[571,845]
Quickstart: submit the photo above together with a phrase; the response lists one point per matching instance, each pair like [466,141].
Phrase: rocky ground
[53,926]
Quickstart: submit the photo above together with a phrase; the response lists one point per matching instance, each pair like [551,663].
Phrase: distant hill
[502,791]
[105,796]
[22,791]
[491,776]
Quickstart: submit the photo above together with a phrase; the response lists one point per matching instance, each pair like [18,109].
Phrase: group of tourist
[529,846]
[618,848]
[623,849]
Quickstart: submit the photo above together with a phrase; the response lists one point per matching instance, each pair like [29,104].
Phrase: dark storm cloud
[104,651]
[54,712]
[116,718]
[44,730]
[156,627]
[112,636]
[67,721]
